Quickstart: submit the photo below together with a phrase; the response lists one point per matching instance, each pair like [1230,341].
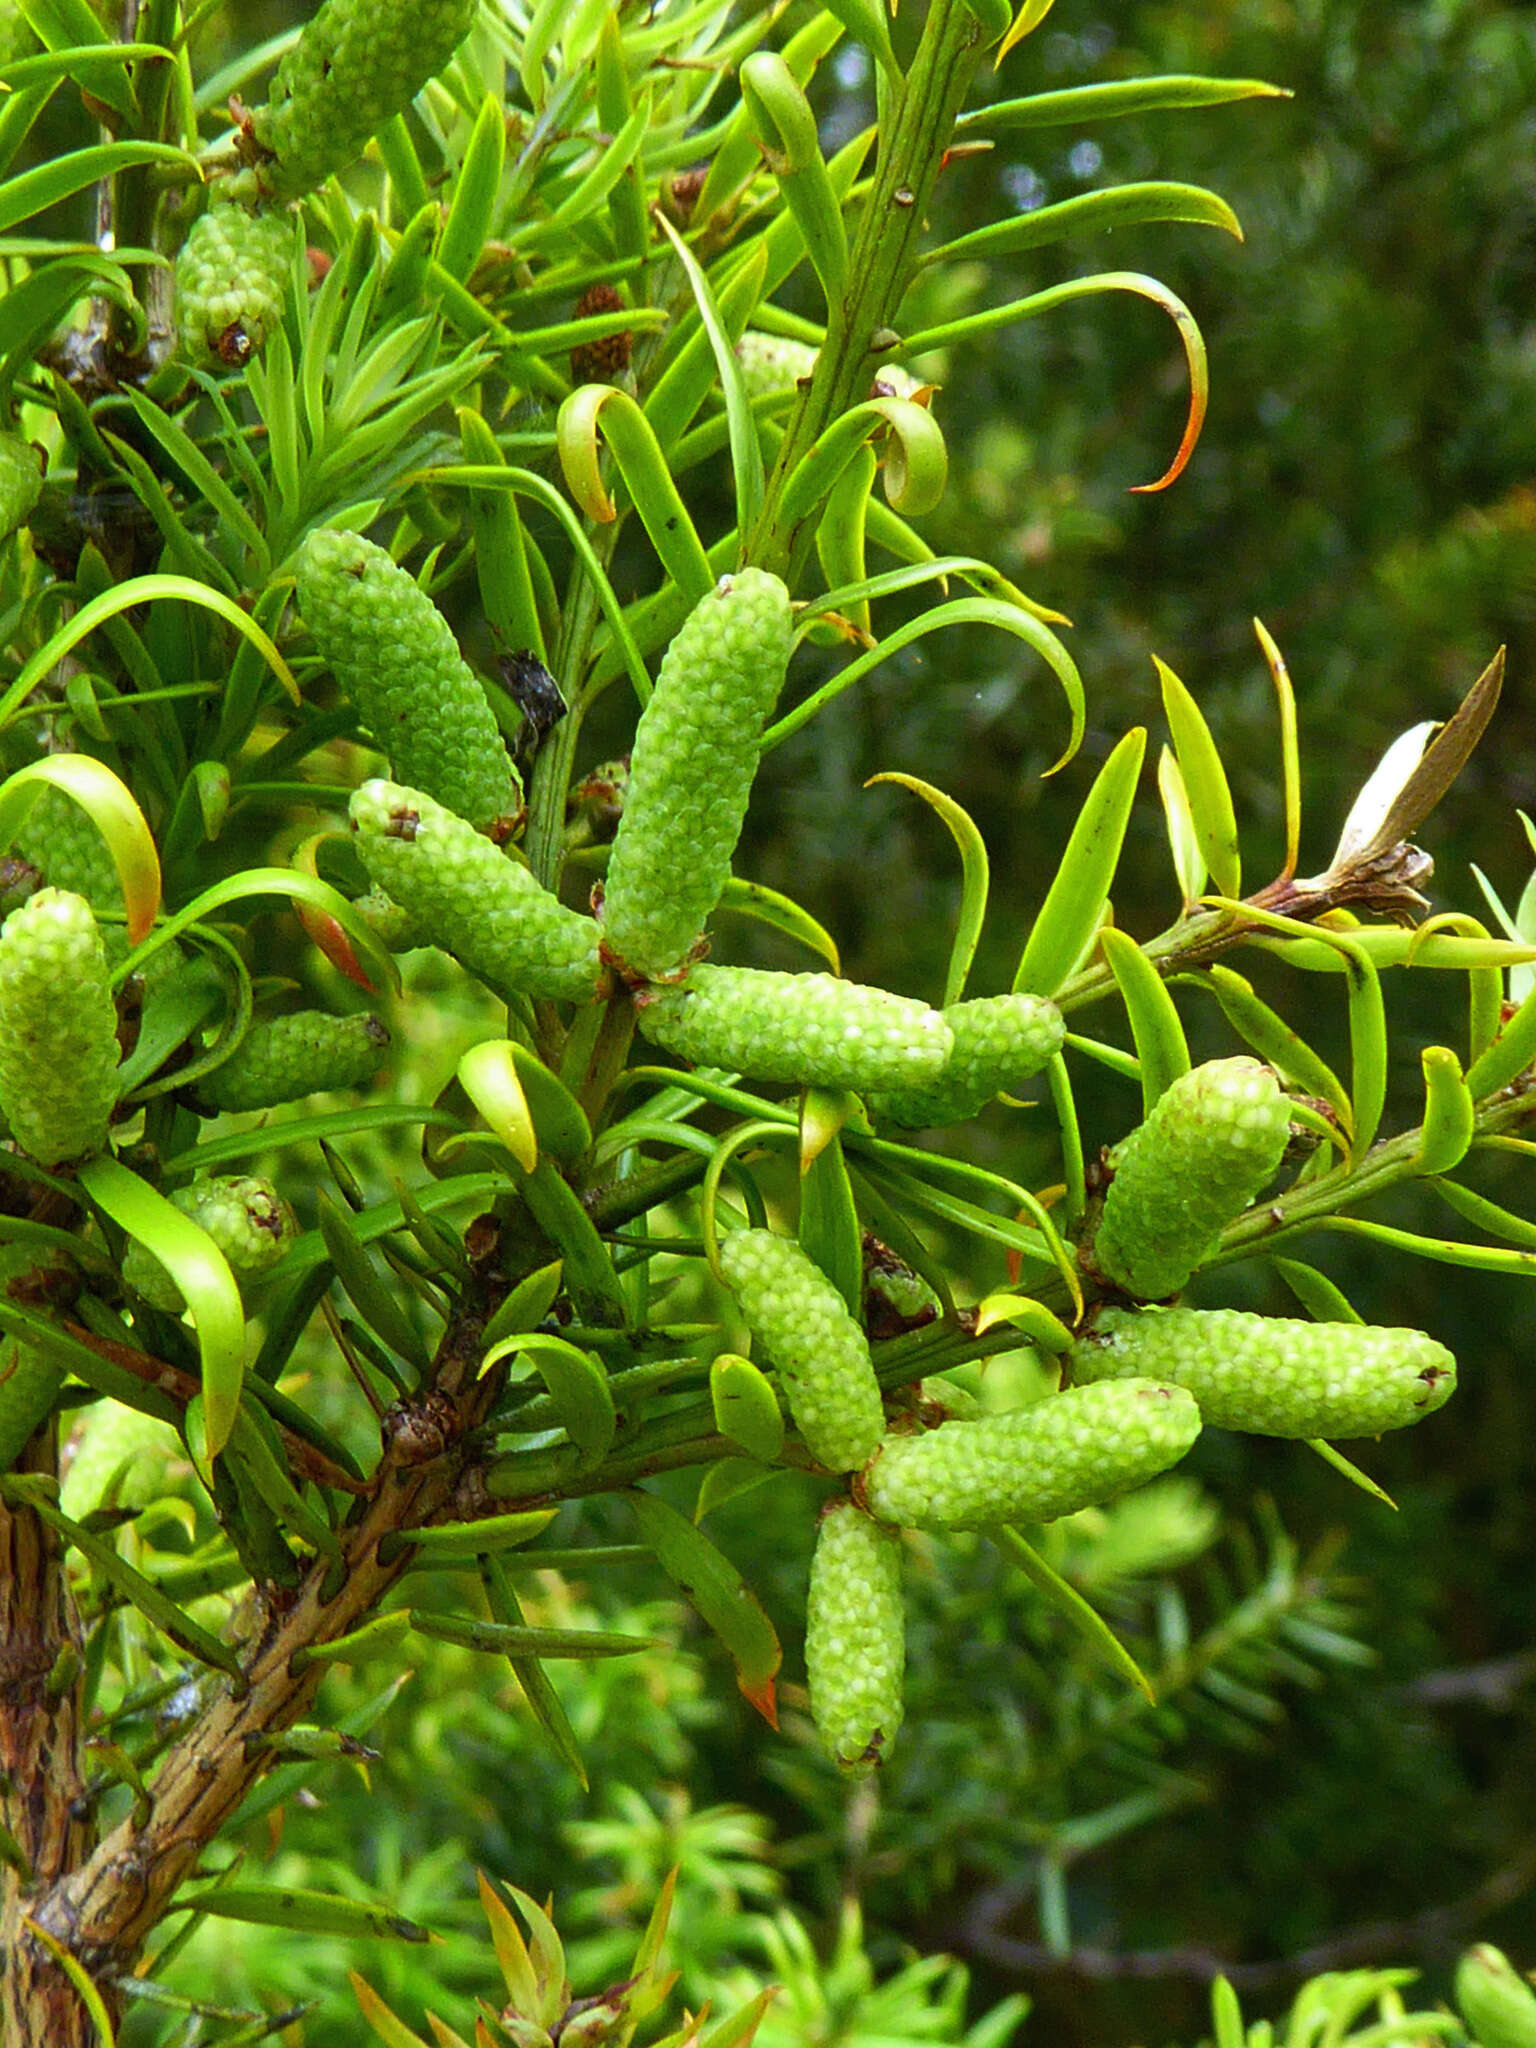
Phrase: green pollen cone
[395,657]
[1000,1042]
[810,1029]
[245,1216]
[855,1637]
[695,754]
[478,903]
[1211,1144]
[820,1353]
[1496,2002]
[286,1057]
[231,278]
[1069,1451]
[21,482]
[1275,1375]
[58,838]
[357,64]
[58,1029]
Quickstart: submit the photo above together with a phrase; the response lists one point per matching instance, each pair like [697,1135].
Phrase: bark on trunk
[40,1780]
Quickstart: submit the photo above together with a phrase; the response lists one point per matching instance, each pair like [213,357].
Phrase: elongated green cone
[244,1215]
[810,1029]
[21,482]
[394,655]
[695,754]
[1069,1451]
[855,1637]
[478,903]
[1275,1375]
[818,1350]
[1496,2002]
[286,1057]
[66,845]
[771,363]
[231,279]
[357,64]
[1209,1147]
[58,1029]
[1000,1043]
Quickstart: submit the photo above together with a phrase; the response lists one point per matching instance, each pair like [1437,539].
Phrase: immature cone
[695,754]
[855,1637]
[1496,2002]
[245,1216]
[820,1353]
[357,64]
[231,279]
[1066,1452]
[58,1029]
[1000,1042]
[1275,1375]
[59,838]
[1211,1144]
[286,1057]
[394,655]
[21,482]
[475,901]
[809,1029]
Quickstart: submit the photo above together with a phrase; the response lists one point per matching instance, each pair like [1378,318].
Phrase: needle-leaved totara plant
[404,1141]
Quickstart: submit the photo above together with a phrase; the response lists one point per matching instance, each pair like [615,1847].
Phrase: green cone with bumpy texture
[1496,2002]
[61,840]
[231,278]
[818,1350]
[1210,1145]
[855,1636]
[357,64]
[58,1029]
[394,655]
[21,482]
[286,1057]
[245,1216]
[690,774]
[1069,1451]
[772,363]
[810,1029]
[1275,1375]
[478,904]
[1000,1043]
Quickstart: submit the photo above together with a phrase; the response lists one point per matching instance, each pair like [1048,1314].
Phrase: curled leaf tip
[762,1695]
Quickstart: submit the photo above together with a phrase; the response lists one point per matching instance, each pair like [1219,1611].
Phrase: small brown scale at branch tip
[419,1431]
[603,361]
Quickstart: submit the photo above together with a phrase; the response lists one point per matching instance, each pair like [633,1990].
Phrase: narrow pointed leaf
[779,913]
[1069,1604]
[392,2032]
[600,409]
[1275,1042]
[1440,764]
[544,1702]
[1318,1295]
[1118,206]
[1351,1471]
[498,1639]
[198,1268]
[302,1911]
[1033,1318]
[1075,902]
[1183,841]
[974,877]
[712,1583]
[1205,780]
[746,448]
[1290,753]
[1074,105]
[1162,1052]
[489,1075]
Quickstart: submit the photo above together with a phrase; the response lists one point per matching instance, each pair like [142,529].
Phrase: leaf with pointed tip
[1450,1116]
[110,805]
[1205,781]
[699,1569]
[974,876]
[304,1911]
[1069,1604]
[1117,206]
[1290,753]
[1075,902]
[1183,841]
[765,906]
[392,2032]
[577,1385]
[1162,1051]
